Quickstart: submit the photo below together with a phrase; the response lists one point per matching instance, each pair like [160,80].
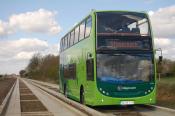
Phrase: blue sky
[71,11]
[64,14]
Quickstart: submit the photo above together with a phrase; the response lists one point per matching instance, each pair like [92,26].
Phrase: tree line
[166,68]
[45,68]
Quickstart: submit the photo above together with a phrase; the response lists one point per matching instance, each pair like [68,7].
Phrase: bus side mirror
[160,57]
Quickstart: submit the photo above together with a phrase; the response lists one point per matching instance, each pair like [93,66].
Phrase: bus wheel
[65,91]
[82,95]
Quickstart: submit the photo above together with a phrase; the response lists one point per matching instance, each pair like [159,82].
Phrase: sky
[36,26]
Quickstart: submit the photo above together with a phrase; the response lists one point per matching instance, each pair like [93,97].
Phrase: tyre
[82,100]
[65,90]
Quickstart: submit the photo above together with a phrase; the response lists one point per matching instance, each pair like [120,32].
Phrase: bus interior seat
[126,29]
[135,30]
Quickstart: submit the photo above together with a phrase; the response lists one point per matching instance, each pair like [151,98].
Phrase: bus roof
[96,11]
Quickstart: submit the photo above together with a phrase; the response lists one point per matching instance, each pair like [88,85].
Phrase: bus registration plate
[127,102]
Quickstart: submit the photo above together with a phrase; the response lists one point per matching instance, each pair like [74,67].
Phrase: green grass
[167,80]
[166,92]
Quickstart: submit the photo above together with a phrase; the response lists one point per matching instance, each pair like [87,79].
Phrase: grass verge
[166,92]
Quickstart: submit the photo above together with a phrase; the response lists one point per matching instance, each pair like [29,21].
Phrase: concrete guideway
[13,108]
[58,105]
[145,110]
[54,105]
[73,104]
[48,85]
[30,104]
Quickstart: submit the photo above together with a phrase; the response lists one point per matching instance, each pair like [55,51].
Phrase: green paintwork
[93,95]
[125,90]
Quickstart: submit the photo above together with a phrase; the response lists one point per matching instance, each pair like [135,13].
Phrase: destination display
[124,44]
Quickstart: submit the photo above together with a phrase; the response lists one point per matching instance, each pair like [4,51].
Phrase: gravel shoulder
[5,86]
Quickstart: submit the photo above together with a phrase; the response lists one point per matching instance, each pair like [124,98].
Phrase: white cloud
[12,66]
[53,49]
[18,52]
[167,46]
[162,42]
[17,48]
[5,29]
[24,55]
[41,21]
[9,48]
[29,44]
[163,21]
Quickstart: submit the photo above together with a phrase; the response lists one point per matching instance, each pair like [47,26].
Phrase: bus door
[89,78]
[72,80]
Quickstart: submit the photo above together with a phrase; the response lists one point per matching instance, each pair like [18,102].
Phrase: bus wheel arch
[82,98]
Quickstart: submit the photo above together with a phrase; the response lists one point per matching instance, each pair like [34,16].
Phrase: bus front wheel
[82,95]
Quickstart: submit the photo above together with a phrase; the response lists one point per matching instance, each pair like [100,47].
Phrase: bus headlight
[104,92]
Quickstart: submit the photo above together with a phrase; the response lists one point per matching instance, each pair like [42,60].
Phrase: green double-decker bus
[108,59]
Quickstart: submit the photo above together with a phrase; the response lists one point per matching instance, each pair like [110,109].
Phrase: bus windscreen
[123,31]
[125,68]
[122,23]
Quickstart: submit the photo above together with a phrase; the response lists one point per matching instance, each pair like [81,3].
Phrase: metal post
[159,49]
[159,76]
